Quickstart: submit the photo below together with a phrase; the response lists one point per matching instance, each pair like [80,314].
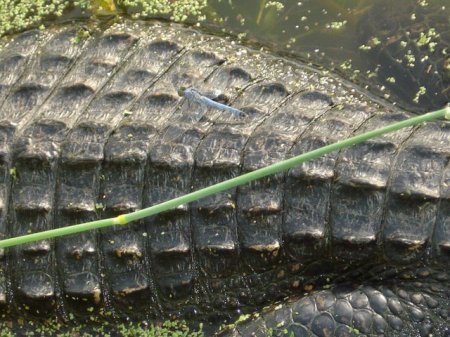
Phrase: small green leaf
[13,173]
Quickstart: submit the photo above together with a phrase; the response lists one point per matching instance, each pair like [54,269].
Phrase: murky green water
[398,49]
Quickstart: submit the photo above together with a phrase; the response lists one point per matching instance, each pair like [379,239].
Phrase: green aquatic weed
[174,10]
[13,173]
[99,206]
[82,34]
[422,91]
[18,15]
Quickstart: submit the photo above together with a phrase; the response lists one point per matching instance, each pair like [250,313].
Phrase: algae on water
[177,11]
[18,15]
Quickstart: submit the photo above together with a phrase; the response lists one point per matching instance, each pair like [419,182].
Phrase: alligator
[353,243]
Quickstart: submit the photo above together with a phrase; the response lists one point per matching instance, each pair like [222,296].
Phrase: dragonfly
[195,96]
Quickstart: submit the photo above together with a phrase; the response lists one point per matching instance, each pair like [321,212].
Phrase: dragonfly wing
[193,108]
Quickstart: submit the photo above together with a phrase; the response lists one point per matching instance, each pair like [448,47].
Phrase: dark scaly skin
[96,128]
[400,307]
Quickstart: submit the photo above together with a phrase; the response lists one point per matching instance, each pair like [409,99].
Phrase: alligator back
[94,128]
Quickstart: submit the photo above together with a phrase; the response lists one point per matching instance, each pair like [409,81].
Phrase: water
[399,50]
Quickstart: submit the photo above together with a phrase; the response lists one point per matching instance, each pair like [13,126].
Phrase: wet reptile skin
[358,240]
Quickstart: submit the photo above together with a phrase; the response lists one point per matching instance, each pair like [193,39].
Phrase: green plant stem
[225,185]
[261,11]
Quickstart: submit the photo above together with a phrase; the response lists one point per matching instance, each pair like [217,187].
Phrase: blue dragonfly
[193,95]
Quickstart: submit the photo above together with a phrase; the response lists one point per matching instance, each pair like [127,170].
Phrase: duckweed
[54,328]
[174,10]
[18,15]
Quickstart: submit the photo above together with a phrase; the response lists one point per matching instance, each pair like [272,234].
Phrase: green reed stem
[225,185]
